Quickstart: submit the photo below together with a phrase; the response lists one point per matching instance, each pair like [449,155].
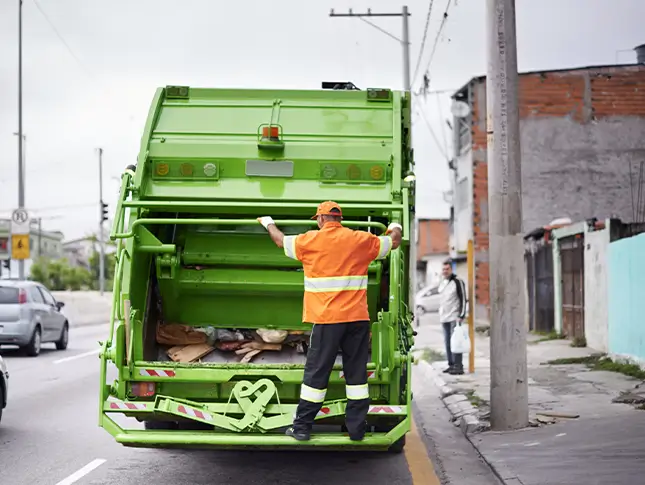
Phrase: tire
[61,343]
[1,399]
[33,347]
[159,425]
[398,446]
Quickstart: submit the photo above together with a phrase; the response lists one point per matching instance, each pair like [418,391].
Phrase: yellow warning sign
[20,246]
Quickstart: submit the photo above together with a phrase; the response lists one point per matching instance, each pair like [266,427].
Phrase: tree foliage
[59,275]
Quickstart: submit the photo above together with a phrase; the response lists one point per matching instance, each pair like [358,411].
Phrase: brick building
[583,144]
[432,249]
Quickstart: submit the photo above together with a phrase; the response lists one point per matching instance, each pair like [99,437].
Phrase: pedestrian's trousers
[353,339]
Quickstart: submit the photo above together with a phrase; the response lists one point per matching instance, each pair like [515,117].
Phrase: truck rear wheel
[398,445]
[159,425]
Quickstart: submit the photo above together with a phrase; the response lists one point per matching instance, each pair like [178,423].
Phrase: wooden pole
[470,292]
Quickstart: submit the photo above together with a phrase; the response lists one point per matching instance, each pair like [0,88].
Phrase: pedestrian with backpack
[452,311]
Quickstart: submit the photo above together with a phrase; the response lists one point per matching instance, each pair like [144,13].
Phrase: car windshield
[8,295]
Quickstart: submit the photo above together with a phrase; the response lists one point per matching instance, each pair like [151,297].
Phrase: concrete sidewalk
[598,446]
[83,308]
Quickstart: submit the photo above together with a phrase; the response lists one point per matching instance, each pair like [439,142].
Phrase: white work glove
[392,226]
[266,221]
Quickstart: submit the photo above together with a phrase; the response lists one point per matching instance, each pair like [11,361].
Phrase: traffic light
[104,211]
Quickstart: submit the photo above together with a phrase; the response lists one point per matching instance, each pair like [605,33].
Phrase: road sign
[20,222]
[20,246]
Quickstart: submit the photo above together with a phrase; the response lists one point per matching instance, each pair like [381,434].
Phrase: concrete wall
[596,282]
[433,268]
[627,298]
[581,134]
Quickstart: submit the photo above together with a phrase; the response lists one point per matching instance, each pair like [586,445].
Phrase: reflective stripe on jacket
[335,261]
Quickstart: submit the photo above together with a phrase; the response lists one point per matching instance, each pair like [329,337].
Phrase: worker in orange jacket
[335,261]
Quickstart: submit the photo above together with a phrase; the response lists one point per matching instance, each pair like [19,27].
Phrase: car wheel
[61,343]
[34,345]
[1,400]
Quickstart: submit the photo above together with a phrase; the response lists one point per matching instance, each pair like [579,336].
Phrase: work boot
[448,370]
[456,371]
[298,434]
[360,434]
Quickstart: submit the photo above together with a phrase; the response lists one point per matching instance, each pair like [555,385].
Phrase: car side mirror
[59,305]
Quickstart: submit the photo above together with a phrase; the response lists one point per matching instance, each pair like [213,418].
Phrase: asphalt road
[49,435]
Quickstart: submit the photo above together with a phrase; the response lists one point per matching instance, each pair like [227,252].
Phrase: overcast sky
[93,88]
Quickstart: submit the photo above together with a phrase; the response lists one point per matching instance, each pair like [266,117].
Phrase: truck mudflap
[250,421]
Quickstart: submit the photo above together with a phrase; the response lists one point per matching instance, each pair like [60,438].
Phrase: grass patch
[474,399]
[600,362]
[430,355]
[589,360]
[579,342]
[546,336]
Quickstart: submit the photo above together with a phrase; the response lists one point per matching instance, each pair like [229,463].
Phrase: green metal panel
[188,243]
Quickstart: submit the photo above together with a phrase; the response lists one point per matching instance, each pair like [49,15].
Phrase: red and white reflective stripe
[157,372]
[195,413]
[371,374]
[386,410]
[325,411]
[126,405]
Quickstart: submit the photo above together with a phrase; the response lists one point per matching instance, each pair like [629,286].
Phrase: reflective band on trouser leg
[385,248]
[289,244]
[357,393]
[312,395]
[335,283]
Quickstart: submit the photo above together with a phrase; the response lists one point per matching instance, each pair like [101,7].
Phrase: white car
[4,385]
[427,300]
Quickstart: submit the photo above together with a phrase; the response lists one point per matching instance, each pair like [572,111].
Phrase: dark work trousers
[353,339]
[454,360]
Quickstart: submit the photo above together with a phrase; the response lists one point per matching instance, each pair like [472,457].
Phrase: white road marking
[561,434]
[77,475]
[77,356]
[535,443]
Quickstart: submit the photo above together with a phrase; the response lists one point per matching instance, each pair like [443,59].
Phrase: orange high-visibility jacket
[335,261]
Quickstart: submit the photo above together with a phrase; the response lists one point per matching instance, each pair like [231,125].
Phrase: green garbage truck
[206,346]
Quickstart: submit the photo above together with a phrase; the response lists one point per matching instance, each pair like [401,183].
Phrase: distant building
[582,149]
[48,244]
[79,251]
[432,249]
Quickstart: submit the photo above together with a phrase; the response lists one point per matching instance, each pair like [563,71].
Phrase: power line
[436,40]
[434,135]
[62,39]
[80,63]
[423,42]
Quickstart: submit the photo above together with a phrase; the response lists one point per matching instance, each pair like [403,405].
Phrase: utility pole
[101,219]
[405,41]
[21,182]
[509,386]
[405,44]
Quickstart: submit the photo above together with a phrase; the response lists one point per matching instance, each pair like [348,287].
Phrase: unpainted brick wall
[582,134]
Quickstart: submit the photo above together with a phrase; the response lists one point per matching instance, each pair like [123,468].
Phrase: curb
[464,414]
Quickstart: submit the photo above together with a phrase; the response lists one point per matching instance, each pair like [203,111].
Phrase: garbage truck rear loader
[206,331]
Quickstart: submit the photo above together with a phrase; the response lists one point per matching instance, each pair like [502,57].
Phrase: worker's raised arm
[277,236]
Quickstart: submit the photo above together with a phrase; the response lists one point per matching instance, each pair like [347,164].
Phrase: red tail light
[22,296]
[143,389]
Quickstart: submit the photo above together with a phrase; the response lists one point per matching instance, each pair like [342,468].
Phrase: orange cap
[325,209]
